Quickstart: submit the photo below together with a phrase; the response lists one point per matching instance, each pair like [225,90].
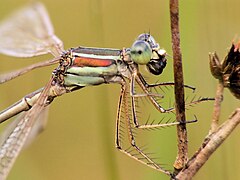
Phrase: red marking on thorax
[91,62]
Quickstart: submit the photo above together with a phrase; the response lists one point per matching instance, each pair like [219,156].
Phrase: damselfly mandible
[78,67]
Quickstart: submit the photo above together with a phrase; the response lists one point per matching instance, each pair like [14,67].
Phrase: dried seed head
[228,72]
[215,66]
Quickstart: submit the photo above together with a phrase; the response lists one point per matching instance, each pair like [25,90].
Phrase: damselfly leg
[146,88]
[126,112]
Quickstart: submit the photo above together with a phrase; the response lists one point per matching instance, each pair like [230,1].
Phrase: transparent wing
[12,145]
[37,128]
[29,32]
[13,74]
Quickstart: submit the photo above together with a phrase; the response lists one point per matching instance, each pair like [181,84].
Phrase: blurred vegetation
[78,142]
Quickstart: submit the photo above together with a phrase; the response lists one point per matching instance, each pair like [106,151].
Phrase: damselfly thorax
[80,67]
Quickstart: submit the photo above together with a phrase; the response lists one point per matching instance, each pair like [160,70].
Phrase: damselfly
[78,67]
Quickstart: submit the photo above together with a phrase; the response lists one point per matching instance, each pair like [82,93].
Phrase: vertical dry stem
[179,91]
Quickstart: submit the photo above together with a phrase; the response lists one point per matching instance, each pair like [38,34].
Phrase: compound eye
[141,52]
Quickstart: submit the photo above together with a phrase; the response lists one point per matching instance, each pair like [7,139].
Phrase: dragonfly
[28,32]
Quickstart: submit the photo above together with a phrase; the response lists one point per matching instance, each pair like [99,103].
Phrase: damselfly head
[145,51]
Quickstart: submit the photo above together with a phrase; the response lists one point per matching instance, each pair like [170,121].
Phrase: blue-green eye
[141,52]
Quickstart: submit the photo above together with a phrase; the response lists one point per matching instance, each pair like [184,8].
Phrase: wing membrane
[13,74]
[29,32]
[11,147]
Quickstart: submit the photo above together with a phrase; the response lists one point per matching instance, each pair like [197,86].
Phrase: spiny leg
[149,126]
[118,119]
[160,124]
[145,87]
[123,107]
[152,97]
[132,90]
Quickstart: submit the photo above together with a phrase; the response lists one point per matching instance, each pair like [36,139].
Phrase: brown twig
[217,107]
[217,135]
[211,143]
[179,91]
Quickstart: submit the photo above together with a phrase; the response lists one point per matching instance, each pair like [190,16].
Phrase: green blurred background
[78,142]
